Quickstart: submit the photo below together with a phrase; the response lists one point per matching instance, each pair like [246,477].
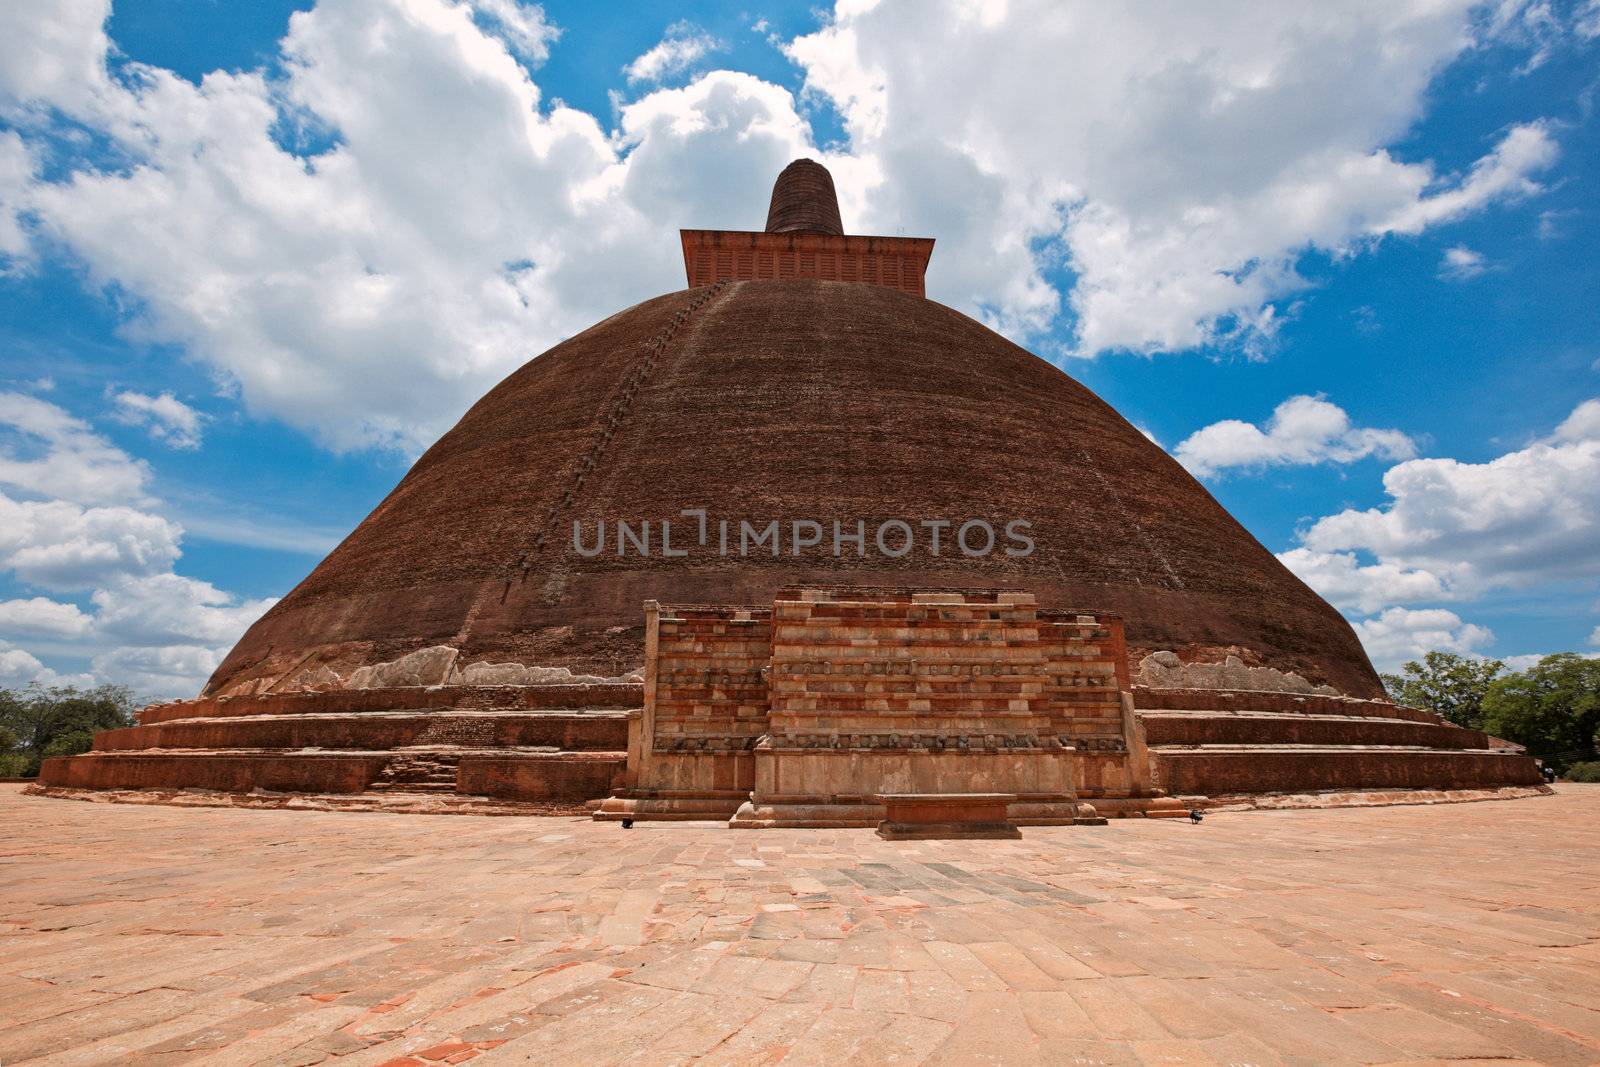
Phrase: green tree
[1552,708]
[1451,685]
[57,721]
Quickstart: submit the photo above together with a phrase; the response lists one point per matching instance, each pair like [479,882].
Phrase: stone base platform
[556,746]
[391,803]
[1236,742]
[1372,798]
[942,816]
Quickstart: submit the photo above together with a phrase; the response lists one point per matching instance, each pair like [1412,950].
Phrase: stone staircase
[441,748]
[1222,743]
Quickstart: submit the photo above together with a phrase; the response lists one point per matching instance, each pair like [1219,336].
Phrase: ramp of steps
[1232,742]
[558,745]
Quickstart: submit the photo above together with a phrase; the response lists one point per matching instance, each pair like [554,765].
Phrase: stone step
[1219,770]
[406,698]
[566,730]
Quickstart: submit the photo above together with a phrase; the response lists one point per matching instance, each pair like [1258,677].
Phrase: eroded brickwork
[709,692]
[799,715]
[926,670]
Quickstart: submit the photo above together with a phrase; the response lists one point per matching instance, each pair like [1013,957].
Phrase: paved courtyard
[160,935]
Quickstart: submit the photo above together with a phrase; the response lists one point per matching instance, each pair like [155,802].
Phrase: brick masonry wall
[577,731]
[710,694]
[1086,673]
[290,773]
[920,670]
[739,255]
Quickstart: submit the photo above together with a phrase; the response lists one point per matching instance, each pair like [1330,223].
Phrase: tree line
[1552,709]
[43,721]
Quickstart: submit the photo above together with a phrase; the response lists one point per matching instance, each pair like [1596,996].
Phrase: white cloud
[1348,584]
[53,52]
[59,545]
[1594,637]
[149,625]
[124,557]
[1303,430]
[40,615]
[520,26]
[1527,517]
[166,609]
[1400,634]
[76,463]
[1587,20]
[166,417]
[1180,164]
[16,174]
[1582,425]
[170,671]
[1453,531]
[448,221]
[455,225]
[1525,660]
[20,668]
[1461,263]
[683,46]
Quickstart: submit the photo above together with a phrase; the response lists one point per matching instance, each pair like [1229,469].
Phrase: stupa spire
[803,201]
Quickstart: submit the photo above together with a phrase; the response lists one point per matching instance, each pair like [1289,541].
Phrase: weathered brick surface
[1265,729]
[1263,770]
[357,701]
[783,400]
[579,731]
[298,772]
[1148,699]
[564,776]
[710,693]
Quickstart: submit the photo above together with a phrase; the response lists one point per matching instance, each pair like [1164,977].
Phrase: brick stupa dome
[460,650]
[774,398]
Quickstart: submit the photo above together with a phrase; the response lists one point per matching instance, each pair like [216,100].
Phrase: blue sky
[247,272]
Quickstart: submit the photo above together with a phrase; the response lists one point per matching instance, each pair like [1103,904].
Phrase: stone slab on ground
[161,935]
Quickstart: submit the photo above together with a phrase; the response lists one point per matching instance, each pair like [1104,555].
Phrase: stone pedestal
[930,816]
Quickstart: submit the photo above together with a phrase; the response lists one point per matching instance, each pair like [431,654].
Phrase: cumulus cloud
[165,417]
[683,46]
[1400,634]
[1302,431]
[168,609]
[1582,425]
[1452,531]
[1349,584]
[520,26]
[40,615]
[1527,517]
[363,236]
[1269,125]
[1461,263]
[19,668]
[446,224]
[62,546]
[45,451]
[122,556]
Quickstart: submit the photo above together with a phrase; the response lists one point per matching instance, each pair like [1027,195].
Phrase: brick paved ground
[222,936]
